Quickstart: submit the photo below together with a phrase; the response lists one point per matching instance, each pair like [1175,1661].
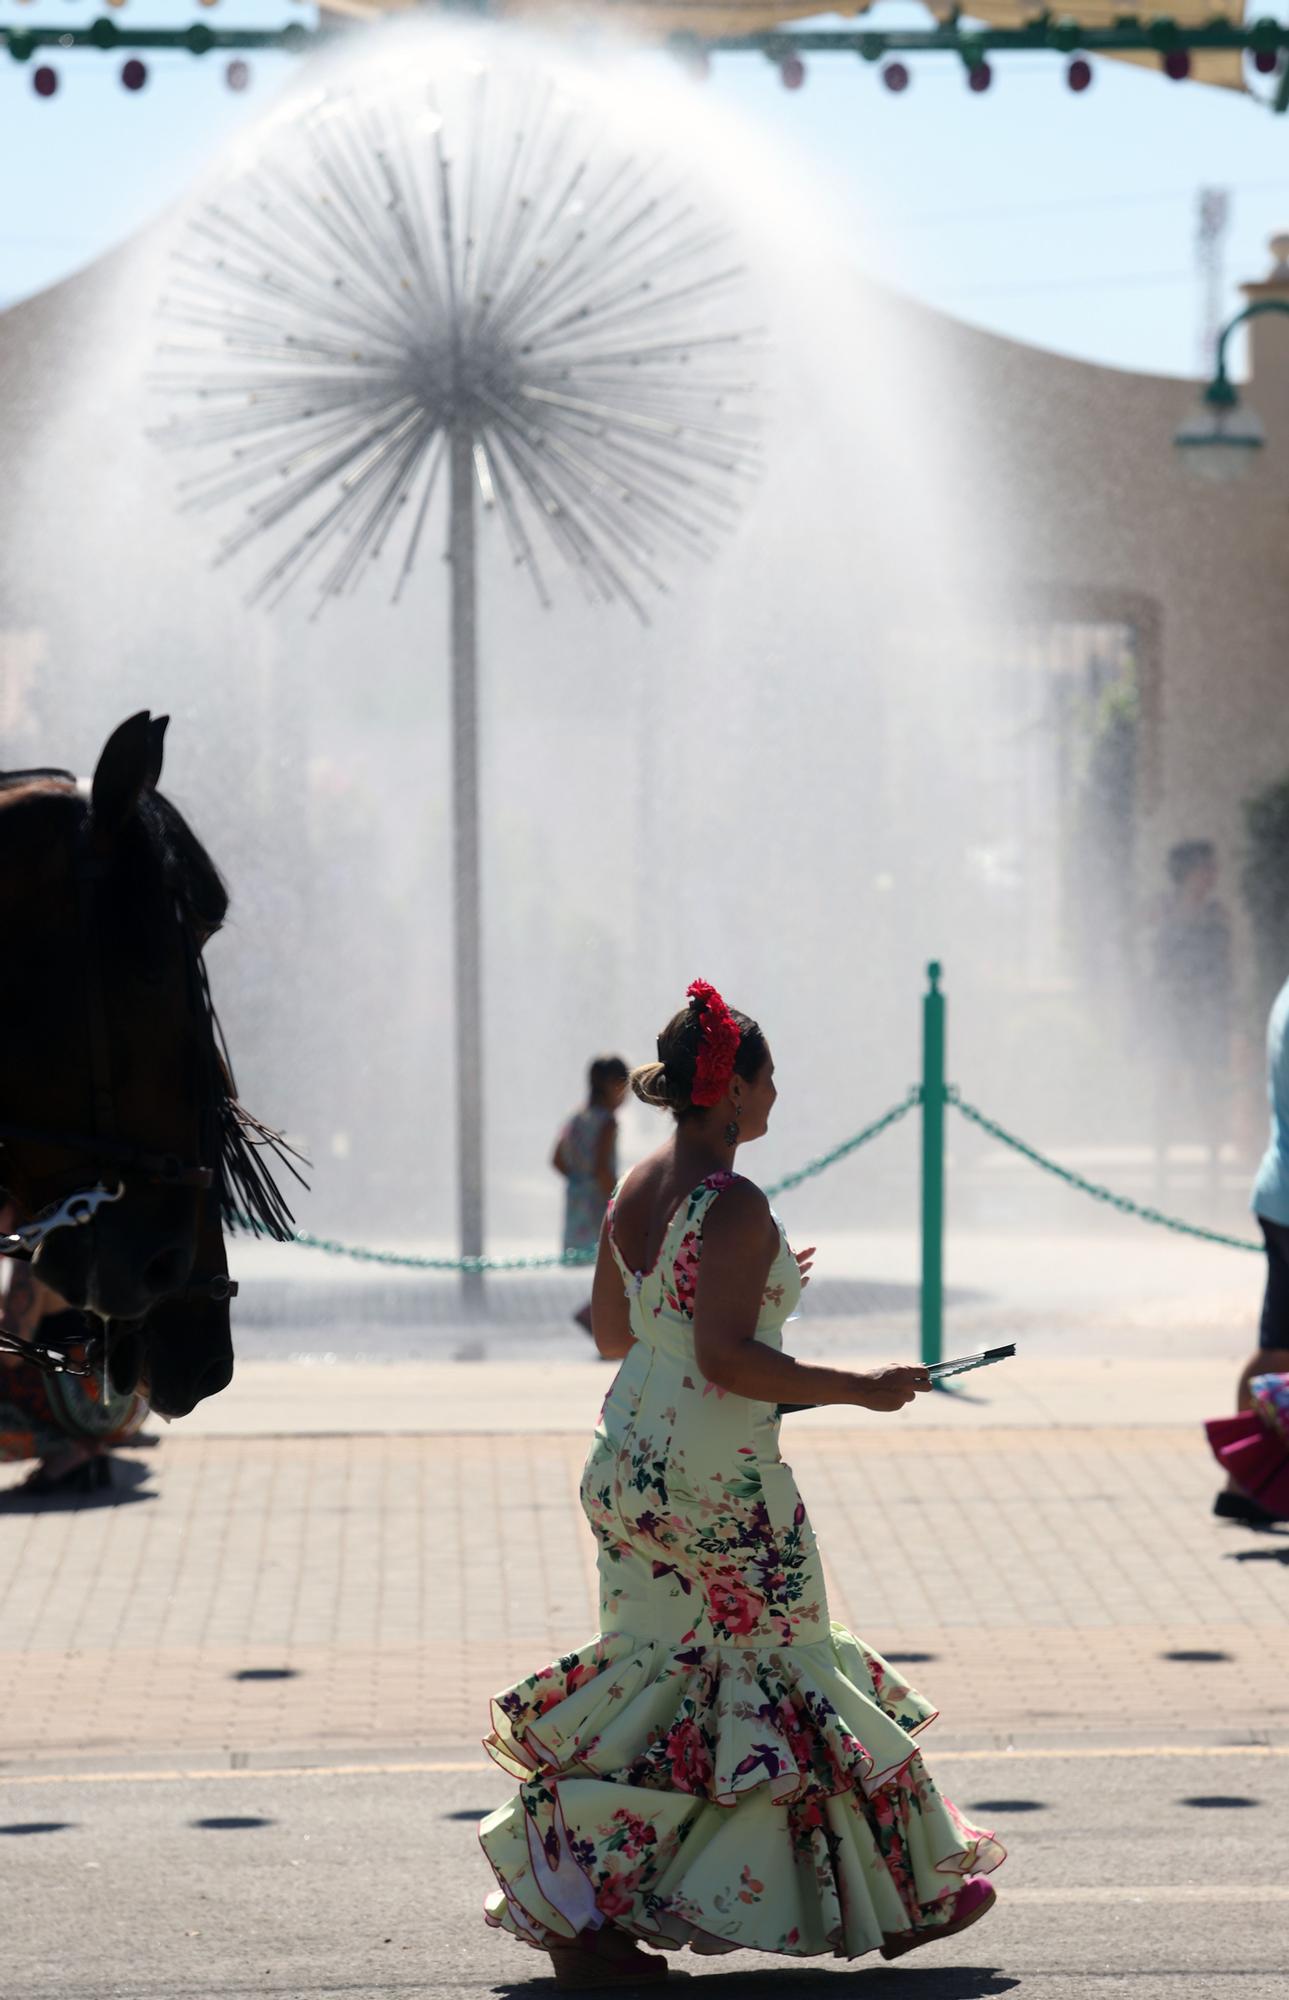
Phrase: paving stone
[1046,1574]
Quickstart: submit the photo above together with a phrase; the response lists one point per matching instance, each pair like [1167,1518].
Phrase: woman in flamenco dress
[722,1768]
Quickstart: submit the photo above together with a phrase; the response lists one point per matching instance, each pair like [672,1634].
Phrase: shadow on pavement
[922,1982]
[230,1823]
[128,1483]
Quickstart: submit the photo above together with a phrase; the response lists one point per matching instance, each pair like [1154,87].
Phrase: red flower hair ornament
[718,1045]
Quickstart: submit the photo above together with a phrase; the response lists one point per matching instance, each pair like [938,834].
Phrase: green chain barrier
[359,1253]
[847,1146]
[1122,1202]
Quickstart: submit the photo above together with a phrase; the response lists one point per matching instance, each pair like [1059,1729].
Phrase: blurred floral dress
[584,1195]
[722,1767]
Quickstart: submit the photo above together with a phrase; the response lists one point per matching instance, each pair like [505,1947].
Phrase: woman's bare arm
[610,1307]
[740,1239]
[559,1158]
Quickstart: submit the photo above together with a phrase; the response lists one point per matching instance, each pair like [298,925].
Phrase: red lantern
[238,74]
[1266,61]
[979,76]
[896,77]
[134,74]
[1079,74]
[1177,64]
[792,72]
[45,81]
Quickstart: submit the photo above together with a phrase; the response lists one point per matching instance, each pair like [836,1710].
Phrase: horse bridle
[164,1169]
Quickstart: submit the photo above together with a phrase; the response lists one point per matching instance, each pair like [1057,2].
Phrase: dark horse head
[113,1076]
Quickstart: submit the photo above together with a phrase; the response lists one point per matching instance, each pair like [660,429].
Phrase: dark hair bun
[650,1084]
[667,1083]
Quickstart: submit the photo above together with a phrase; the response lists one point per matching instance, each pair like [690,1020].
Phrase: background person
[1270,1203]
[586,1153]
[1191,1000]
[722,1767]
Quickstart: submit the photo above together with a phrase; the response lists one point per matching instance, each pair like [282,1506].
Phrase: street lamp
[1224,434]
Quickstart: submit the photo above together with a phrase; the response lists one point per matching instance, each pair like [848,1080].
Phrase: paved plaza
[260,1597]
[244,1694]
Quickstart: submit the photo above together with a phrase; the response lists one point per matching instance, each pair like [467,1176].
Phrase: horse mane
[249,1197]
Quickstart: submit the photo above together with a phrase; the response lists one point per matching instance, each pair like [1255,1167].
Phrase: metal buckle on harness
[71,1213]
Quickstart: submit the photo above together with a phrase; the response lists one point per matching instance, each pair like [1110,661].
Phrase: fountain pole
[469,307]
[465,853]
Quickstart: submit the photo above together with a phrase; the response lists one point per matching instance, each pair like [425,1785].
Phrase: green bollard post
[933,1099]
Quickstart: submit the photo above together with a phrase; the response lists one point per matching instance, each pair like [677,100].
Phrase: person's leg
[85,1416]
[1272,1354]
[62,1469]
[1270,1358]
[605,1957]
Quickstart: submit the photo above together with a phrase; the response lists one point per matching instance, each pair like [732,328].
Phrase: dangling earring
[731,1130]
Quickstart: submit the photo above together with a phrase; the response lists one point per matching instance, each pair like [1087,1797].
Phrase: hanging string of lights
[1173,44]
[108,36]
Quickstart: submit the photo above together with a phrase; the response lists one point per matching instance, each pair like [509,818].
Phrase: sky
[1063,220]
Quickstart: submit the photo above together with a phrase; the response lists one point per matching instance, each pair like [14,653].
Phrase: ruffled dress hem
[721,1798]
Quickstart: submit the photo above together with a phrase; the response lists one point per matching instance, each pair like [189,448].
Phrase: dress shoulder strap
[689,1217]
[686,1222]
[682,1246]
[707,1192]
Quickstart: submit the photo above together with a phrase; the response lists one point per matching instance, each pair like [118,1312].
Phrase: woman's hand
[805,1258]
[890,1388]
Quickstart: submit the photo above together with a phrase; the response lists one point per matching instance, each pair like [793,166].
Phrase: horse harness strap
[167,1167]
[52,1360]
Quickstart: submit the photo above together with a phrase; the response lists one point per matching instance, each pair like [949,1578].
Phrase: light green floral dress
[722,1767]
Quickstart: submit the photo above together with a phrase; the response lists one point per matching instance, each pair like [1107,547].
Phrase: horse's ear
[156,745]
[123,771]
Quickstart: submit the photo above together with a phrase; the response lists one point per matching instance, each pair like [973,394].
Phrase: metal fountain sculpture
[460,287]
